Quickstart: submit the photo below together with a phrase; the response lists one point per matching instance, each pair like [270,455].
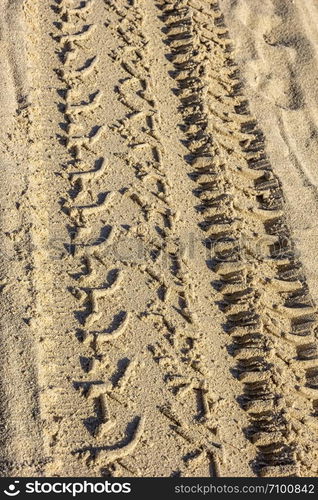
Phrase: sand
[158,264]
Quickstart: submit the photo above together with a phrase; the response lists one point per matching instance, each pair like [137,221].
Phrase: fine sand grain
[158,238]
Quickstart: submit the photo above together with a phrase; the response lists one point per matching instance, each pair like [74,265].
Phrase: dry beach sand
[158,238]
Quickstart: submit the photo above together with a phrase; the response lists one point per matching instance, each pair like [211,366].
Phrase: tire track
[82,217]
[180,355]
[268,310]
[151,191]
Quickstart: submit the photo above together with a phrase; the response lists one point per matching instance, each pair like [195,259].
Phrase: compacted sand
[158,238]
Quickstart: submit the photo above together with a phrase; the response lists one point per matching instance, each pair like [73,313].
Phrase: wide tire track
[268,310]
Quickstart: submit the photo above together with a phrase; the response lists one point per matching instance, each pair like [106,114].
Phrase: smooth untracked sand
[158,238]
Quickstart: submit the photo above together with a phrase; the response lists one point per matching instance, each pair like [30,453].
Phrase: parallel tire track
[81,148]
[264,295]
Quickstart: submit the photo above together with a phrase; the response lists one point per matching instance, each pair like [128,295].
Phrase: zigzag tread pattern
[260,288]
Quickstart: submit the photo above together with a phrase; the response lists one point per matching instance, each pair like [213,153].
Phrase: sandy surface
[158,238]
